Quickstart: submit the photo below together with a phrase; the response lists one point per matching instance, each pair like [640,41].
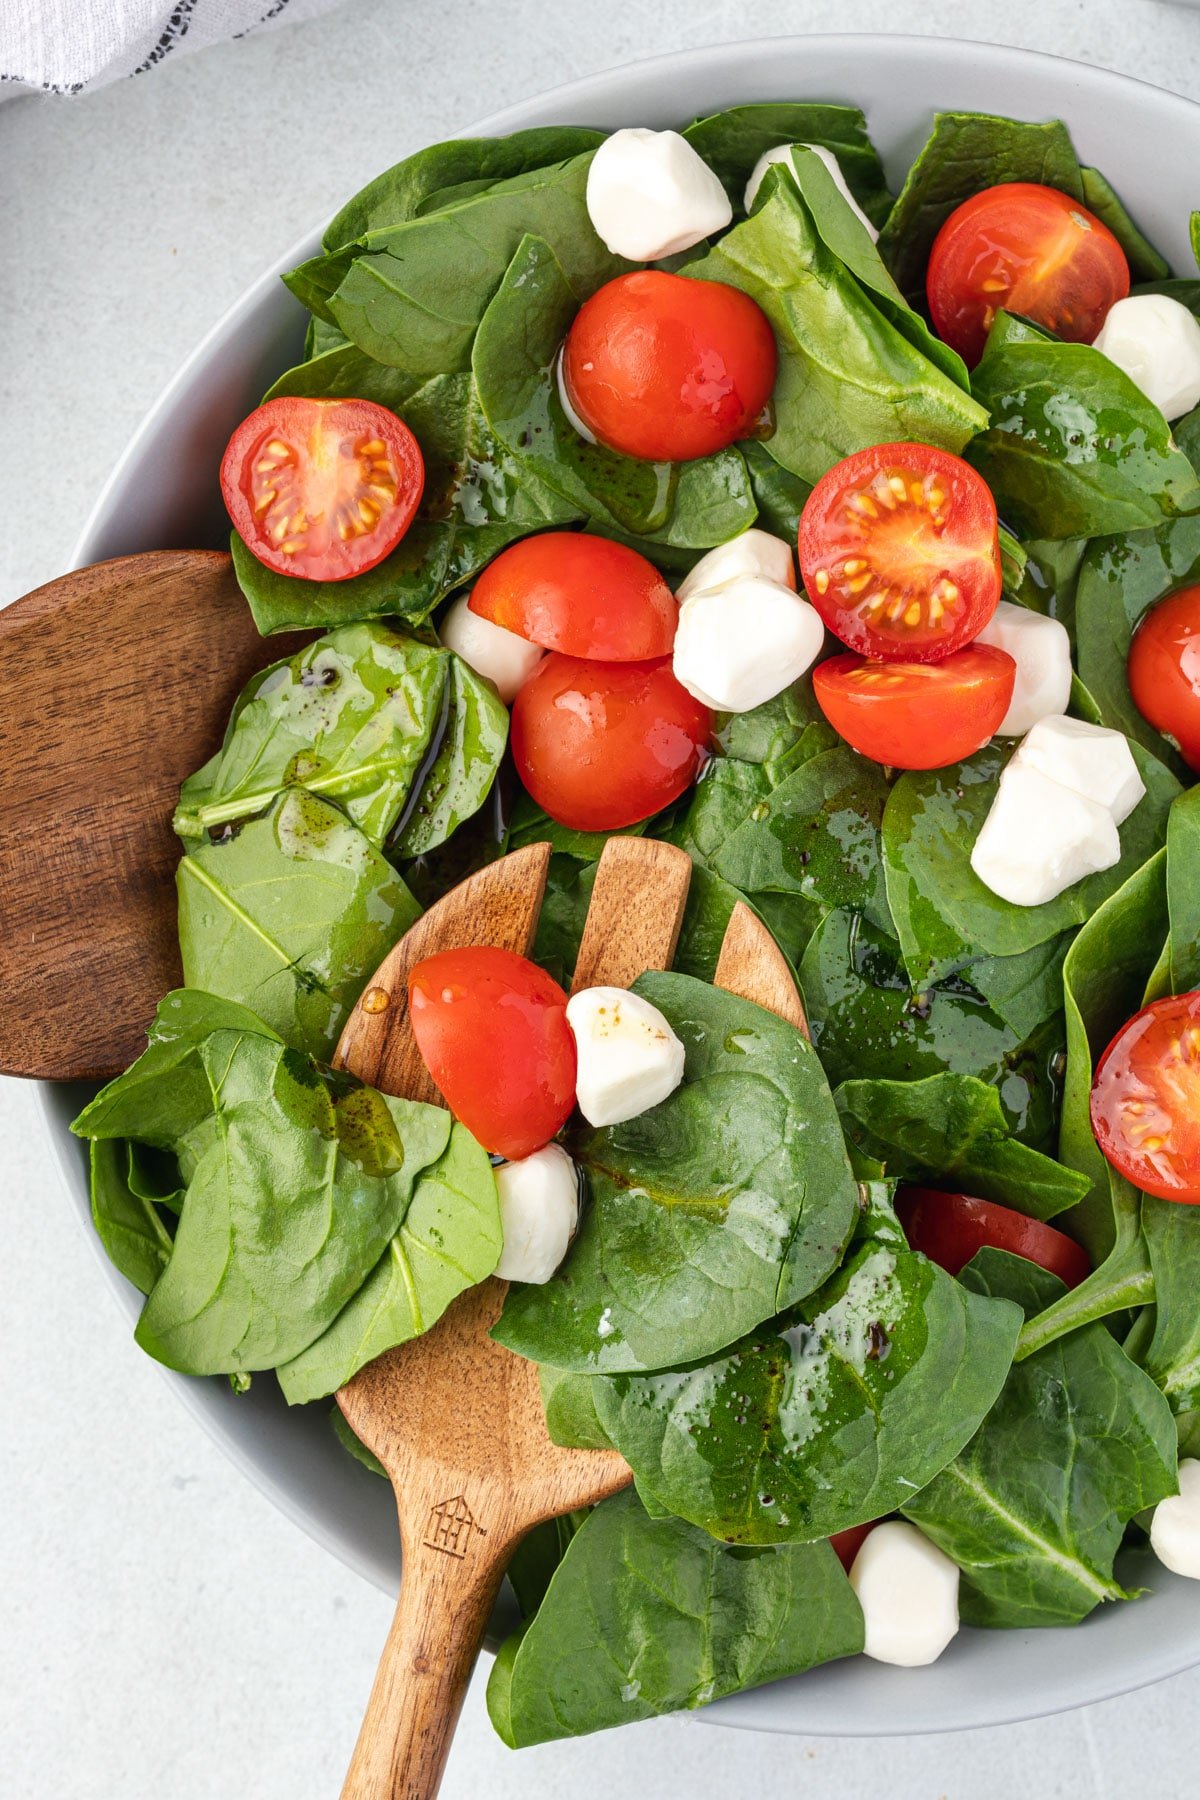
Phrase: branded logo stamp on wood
[451,1523]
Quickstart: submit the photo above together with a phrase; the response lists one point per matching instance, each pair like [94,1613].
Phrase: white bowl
[164,494]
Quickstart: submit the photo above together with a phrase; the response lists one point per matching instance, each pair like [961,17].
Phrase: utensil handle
[446,1596]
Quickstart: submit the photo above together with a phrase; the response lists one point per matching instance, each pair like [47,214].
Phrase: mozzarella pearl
[745,642]
[1175,1527]
[539,1211]
[629,1058]
[1089,759]
[1041,837]
[782,153]
[1156,341]
[650,195]
[752,552]
[908,1591]
[1041,649]
[500,656]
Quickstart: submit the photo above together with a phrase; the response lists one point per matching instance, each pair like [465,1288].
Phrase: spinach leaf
[847,378]
[415,292]
[778,494]
[646,1616]
[532,825]
[728,1202]
[1052,568]
[537,1556]
[944,914]
[421,183]
[349,718]
[695,504]
[868,1023]
[473,735]
[950,1130]
[1183,891]
[832,1416]
[731,143]
[1023,990]
[127,1223]
[1172,1358]
[357,1449]
[569,1402]
[1145,263]
[965,153]
[1034,1508]
[448,1240]
[291,915]
[1074,447]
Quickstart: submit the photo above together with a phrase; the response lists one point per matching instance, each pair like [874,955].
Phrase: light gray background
[163,1631]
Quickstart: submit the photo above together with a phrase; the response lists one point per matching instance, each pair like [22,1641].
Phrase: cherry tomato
[1164,670]
[1026,249]
[323,489]
[848,1543]
[585,596]
[666,369]
[601,745]
[900,552]
[917,715]
[492,1030]
[1146,1099]
[950,1228]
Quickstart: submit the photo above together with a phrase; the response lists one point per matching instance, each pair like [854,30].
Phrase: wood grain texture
[635,913]
[752,965]
[118,680]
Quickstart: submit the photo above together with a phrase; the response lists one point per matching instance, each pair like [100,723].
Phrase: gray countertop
[167,1632]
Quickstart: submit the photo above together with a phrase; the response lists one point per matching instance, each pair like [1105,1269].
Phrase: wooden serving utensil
[455,1418]
[116,682]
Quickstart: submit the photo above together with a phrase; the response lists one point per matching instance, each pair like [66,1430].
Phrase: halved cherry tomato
[1027,249]
[900,552]
[323,489]
[917,715]
[492,1030]
[604,744]
[1164,670]
[585,596]
[666,369]
[1146,1099]
[847,1544]
[950,1228]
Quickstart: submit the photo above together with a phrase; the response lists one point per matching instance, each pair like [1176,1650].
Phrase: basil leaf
[832,1417]
[847,378]
[711,1212]
[448,1240]
[731,143]
[1145,263]
[949,1130]
[1074,447]
[349,718]
[474,732]
[292,915]
[128,1225]
[646,1616]
[965,153]
[1034,1508]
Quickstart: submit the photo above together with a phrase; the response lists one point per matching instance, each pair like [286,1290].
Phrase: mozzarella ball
[1040,838]
[1175,1527]
[782,153]
[650,195]
[539,1211]
[1090,759]
[752,552]
[744,643]
[1041,649]
[908,1591]
[1156,341]
[500,656]
[629,1058]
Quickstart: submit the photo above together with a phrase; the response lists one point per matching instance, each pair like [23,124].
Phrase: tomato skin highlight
[583,595]
[667,369]
[950,1228]
[1164,670]
[492,1030]
[917,715]
[322,489]
[1026,249]
[1146,1099]
[601,745]
[899,548]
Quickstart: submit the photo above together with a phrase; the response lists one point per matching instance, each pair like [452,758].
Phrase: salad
[691,484]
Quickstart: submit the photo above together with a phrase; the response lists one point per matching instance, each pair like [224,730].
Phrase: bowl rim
[605,89]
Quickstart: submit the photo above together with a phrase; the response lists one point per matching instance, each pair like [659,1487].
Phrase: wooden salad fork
[455,1418]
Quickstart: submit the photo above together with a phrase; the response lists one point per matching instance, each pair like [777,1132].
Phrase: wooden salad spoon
[455,1418]
[115,683]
